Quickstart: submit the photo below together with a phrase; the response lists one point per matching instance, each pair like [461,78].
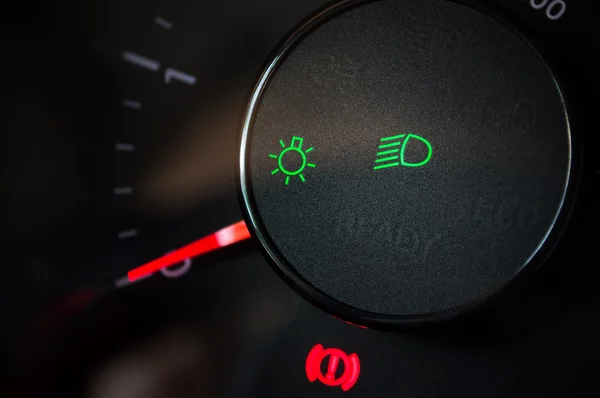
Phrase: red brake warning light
[351,367]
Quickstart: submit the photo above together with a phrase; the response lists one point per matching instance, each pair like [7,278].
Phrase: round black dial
[405,159]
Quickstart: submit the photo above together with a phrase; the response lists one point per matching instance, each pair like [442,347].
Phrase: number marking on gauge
[555,9]
[123,190]
[163,23]
[179,271]
[183,77]
[130,233]
[124,147]
[152,65]
[132,104]
[141,61]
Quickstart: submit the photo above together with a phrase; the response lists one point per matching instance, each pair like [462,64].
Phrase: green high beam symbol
[392,149]
[295,148]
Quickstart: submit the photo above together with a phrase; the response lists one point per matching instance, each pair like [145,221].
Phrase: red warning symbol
[351,367]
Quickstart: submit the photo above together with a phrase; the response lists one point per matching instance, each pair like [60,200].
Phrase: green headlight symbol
[391,152]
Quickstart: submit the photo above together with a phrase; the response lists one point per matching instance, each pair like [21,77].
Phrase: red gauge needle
[227,236]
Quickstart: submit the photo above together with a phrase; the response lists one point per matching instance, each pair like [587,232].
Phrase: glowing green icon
[389,155]
[291,161]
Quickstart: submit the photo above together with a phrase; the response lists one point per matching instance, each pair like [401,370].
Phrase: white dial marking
[132,104]
[123,190]
[177,271]
[163,23]
[130,233]
[124,147]
[141,61]
[183,77]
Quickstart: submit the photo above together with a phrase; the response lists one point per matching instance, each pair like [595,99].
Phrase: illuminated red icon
[351,367]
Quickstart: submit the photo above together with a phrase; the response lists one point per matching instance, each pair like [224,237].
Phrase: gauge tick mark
[123,147]
[132,104]
[130,233]
[163,23]
[123,191]
[141,61]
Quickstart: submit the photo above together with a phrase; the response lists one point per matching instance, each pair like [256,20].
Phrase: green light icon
[389,155]
[285,160]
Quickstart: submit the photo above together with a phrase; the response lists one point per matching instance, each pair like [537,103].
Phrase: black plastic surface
[407,241]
